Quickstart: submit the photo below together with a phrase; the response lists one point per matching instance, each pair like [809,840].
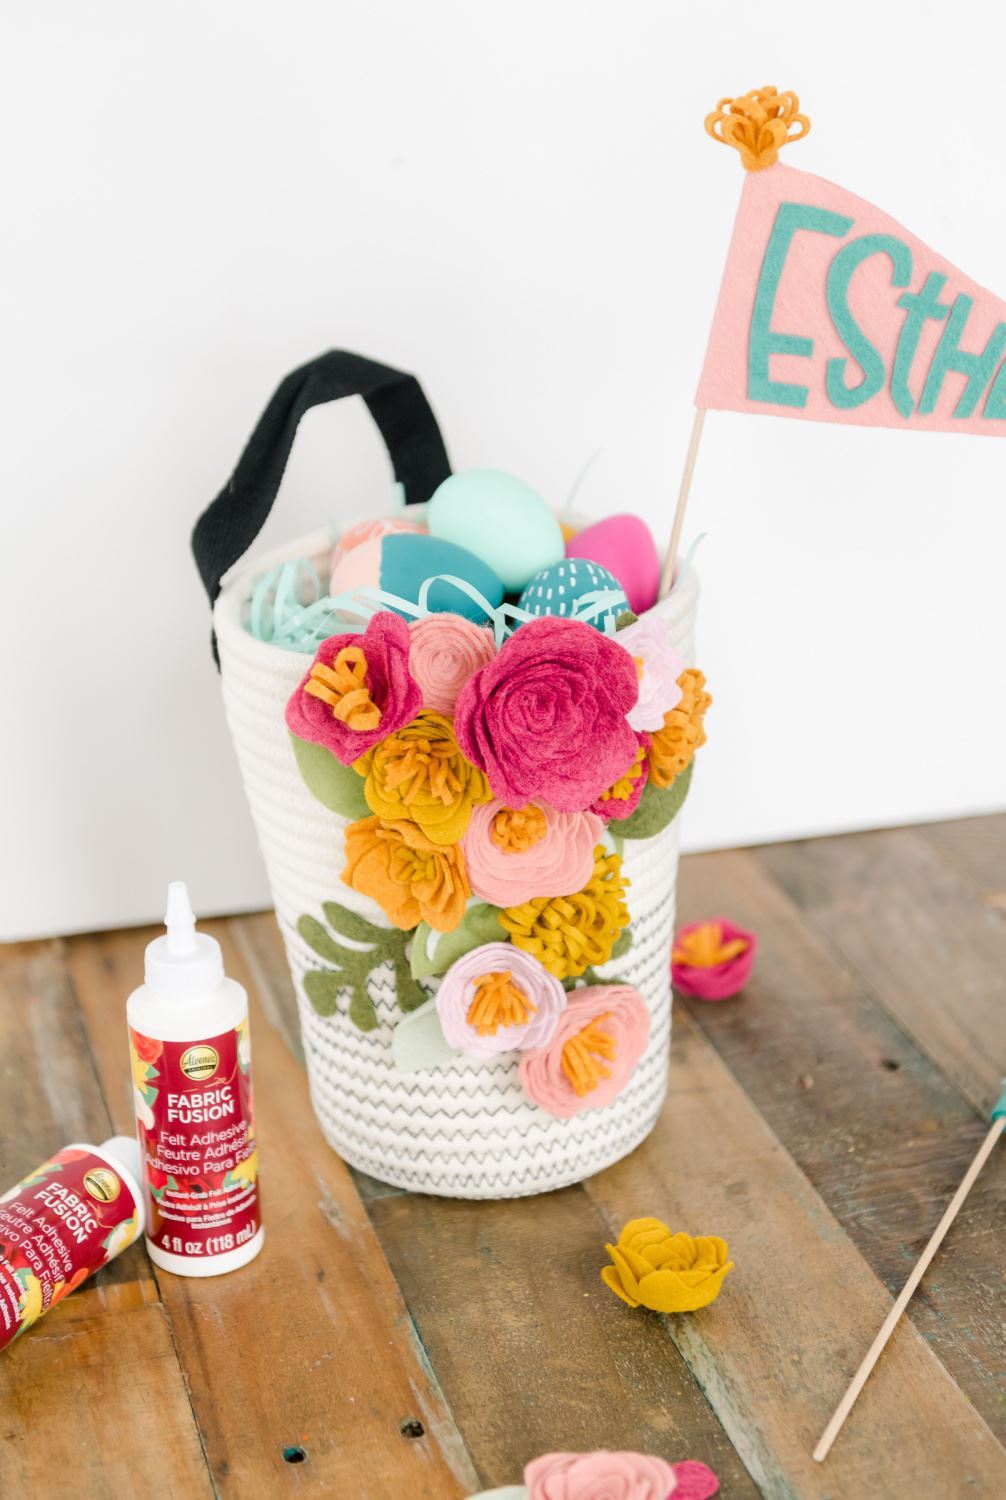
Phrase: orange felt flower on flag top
[758,124]
[666,1272]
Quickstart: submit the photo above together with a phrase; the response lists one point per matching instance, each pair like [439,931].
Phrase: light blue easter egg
[557,591]
[409,558]
[499,518]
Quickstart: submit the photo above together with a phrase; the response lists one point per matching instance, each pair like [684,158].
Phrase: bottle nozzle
[180,921]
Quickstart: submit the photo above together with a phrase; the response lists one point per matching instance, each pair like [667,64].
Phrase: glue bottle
[63,1221]
[192,1092]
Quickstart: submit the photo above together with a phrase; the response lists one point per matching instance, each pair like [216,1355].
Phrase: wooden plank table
[390,1345]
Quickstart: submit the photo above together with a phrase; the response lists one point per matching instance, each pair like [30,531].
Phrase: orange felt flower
[673,746]
[411,878]
[666,1272]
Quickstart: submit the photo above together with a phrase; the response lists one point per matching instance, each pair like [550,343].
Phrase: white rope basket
[464,1130]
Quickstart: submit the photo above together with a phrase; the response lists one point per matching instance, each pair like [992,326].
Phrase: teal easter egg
[559,590]
[499,518]
[409,559]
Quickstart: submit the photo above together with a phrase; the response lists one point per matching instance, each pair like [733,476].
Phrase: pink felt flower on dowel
[547,718]
[357,691]
[712,960]
[594,1050]
[498,999]
[659,666]
[513,855]
[444,651]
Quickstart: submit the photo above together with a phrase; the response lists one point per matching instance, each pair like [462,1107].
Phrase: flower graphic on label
[245,1174]
[244,1045]
[122,1235]
[64,1288]
[31,1299]
[144,1052]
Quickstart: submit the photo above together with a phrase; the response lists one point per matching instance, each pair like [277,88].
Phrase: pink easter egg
[364,531]
[624,545]
[359,568]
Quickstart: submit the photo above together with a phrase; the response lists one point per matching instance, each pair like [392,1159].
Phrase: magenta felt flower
[622,797]
[594,1050]
[513,855]
[546,720]
[659,666]
[712,960]
[599,1476]
[358,690]
[498,999]
[444,651]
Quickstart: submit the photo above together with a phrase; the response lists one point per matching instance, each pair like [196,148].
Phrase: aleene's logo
[102,1184]
[200,1063]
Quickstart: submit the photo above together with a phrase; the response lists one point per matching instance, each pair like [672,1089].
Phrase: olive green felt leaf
[658,806]
[480,924]
[622,943]
[625,619]
[335,785]
[351,968]
[418,1041]
[590,976]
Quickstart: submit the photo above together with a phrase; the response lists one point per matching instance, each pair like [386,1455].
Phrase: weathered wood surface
[819,1124]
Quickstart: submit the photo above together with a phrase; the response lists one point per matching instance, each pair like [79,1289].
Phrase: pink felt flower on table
[358,690]
[622,797]
[659,666]
[594,1050]
[712,960]
[694,1481]
[599,1476]
[498,999]
[547,718]
[444,651]
[513,855]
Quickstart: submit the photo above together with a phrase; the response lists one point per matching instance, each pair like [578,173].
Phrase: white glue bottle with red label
[192,1091]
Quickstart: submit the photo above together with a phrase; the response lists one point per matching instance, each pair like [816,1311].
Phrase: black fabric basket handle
[230,524]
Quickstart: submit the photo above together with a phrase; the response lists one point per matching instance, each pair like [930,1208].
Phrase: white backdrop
[515,200]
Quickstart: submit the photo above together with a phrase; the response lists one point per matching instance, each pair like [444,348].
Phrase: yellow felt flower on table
[672,747]
[569,934]
[420,774]
[668,1273]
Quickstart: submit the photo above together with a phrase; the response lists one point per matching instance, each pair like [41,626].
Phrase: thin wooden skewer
[862,1375]
[667,575]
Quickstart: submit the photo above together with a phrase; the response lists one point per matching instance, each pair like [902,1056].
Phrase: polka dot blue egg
[560,588]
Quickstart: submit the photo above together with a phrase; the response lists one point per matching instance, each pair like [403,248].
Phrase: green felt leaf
[324,986]
[418,1041]
[622,943]
[335,785]
[352,967]
[323,989]
[351,925]
[318,938]
[625,618]
[658,806]
[480,924]
[588,977]
[411,994]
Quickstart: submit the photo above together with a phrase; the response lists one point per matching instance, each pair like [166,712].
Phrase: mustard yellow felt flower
[663,1271]
[568,934]
[419,773]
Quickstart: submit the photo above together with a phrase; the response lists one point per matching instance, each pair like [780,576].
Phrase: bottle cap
[183,961]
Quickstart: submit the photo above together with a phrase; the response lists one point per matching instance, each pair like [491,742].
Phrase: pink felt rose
[498,999]
[444,651]
[659,667]
[352,676]
[694,1481]
[712,960]
[622,798]
[547,718]
[594,1050]
[599,1476]
[512,856]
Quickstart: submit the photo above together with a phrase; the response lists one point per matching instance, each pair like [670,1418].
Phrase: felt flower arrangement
[500,783]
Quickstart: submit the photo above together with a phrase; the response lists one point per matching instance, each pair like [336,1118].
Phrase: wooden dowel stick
[667,576]
[862,1375]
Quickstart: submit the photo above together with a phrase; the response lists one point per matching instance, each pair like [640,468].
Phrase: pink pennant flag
[831,311]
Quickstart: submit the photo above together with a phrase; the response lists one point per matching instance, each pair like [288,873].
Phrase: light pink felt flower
[547,718]
[594,1050]
[599,1476]
[659,667]
[444,651]
[498,999]
[513,856]
[338,691]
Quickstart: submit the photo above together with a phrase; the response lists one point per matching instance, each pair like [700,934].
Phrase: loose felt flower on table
[594,1050]
[712,960]
[497,999]
[444,651]
[419,773]
[658,665]
[546,720]
[357,691]
[599,1476]
[622,798]
[410,877]
[568,934]
[515,854]
[673,745]
[668,1273]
